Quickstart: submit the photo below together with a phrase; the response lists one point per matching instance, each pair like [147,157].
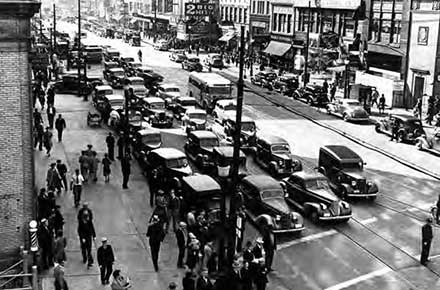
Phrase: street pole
[41,27]
[236,156]
[54,29]
[306,57]
[79,48]
[155,22]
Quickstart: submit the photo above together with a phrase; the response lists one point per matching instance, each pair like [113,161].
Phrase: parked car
[124,60]
[178,56]
[132,67]
[214,60]
[144,141]
[116,77]
[107,66]
[137,84]
[180,105]
[311,194]
[286,84]
[247,134]
[273,153]
[168,91]
[69,85]
[101,91]
[141,71]
[265,205]
[192,63]
[111,54]
[151,81]
[410,127]
[200,147]
[136,122]
[161,45]
[430,143]
[264,79]
[225,109]
[223,158]
[154,109]
[194,119]
[311,94]
[349,110]
[108,103]
[170,163]
[344,169]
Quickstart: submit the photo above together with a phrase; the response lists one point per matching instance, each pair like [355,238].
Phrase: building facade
[235,12]
[259,20]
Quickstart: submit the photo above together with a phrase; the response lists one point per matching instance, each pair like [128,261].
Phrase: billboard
[199,9]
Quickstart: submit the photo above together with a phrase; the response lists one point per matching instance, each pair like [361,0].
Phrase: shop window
[267,7]
[235,14]
[396,31]
[375,29]
[385,30]
[416,4]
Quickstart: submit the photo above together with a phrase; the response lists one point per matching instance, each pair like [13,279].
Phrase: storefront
[145,22]
[259,34]
[279,52]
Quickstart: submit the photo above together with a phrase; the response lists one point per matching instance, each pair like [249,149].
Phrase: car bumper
[355,119]
[362,195]
[334,218]
[161,124]
[290,230]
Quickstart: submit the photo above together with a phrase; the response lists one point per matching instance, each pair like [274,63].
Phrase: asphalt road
[378,249]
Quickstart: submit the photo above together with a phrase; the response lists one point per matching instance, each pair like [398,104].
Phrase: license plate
[356,191]
[297,226]
[326,214]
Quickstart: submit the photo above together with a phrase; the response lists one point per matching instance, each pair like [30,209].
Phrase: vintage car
[69,85]
[410,127]
[200,147]
[223,158]
[101,91]
[214,60]
[265,205]
[152,81]
[141,71]
[107,66]
[124,60]
[202,192]
[194,119]
[108,103]
[247,134]
[348,109]
[131,68]
[137,84]
[273,153]
[310,193]
[286,84]
[111,54]
[311,94]
[161,45]
[135,40]
[192,63]
[168,91]
[178,56]
[154,109]
[180,105]
[144,141]
[344,169]
[264,79]
[116,77]
[170,163]
[225,109]
[136,121]
[429,143]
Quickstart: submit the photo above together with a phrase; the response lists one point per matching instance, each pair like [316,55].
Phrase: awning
[228,36]
[277,48]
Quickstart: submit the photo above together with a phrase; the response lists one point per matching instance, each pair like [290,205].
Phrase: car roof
[203,134]
[349,101]
[267,72]
[110,62]
[196,111]
[103,87]
[201,182]
[227,102]
[135,79]
[404,117]
[289,76]
[145,68]
[136,63]
[314,86]
[272,139]
[147,131]
[341,152]
[243,119]
[114,97]
[116,69]
[228,151]
[169,153]
[308,175]
[186,98]
[153,100]
[166,86]
[262,182]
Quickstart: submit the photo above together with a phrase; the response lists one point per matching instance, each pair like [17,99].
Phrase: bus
[94,53]
[208,88]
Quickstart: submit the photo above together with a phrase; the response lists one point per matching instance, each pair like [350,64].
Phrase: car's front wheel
[419,145]
[314,217]
[400,137]
[377,128]
[345,117]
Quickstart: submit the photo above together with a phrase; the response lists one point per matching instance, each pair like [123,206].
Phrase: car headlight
[344,204]
[369,184]
[352,114]
[323,206]
[277,217]
[353,183]
[294,217]
[280,162]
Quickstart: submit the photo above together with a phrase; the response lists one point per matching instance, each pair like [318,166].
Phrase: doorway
[419,83]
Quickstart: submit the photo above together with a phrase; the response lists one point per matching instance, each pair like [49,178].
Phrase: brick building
[16,150]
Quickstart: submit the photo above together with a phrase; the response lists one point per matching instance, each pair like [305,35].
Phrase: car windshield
[136,64]
[248,126]
[116,103]
[172,90]
[219,90]
[230,107]
[151,138]
[177,163]
[271,193]
[118,73]
[280,148]
[353,103]
[188,103]
[317,184]
[158,105]
[197,116]
[352,165]
[414,124]
[128,59]
[194,60]
[113,53]
[137,83]
[209,142]
[111,65]
[105,92]
[135,118]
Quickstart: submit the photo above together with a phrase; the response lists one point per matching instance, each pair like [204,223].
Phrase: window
[235,14]
[396,29]
[222,13]
[245,16]
[267,7]
[385,29]
[274,22]
[240,15]
[254,5]
[281,21]
[436,5]
[289,23]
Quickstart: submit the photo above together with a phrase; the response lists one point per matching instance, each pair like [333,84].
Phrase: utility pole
[306,46]
[236,156]
[41,27]
[54,29]
[79,48]
[155,21]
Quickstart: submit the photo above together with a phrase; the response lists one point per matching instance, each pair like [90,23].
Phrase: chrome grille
[361,185]
[285,221]
[335,209]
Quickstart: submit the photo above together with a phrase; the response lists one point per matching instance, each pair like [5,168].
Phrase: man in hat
[125,167]
[86,233]
[62,171]
[181,237]
[156,234]
[173,209]
[45,240]
[120,144]
[258,249]
[85,210]
[76,186]
[60,125]
[203,283]
[426,241]
[235,276]
[172,286]
[105,261]
[47,141]
[110,141]
[153,183]
[51,112]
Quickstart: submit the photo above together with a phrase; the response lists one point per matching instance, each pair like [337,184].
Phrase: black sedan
[314,95]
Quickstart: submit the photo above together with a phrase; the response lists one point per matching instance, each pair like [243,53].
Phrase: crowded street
[378,248]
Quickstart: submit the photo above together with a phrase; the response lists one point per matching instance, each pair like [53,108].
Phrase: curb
[340,132]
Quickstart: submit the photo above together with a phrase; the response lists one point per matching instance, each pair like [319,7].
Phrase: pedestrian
[248,256]
[258,250]
[208,250]
[51,112]
[120,144]
[430,113]
[193,251]
[47,141]
[394,129]
[374,97]
[76,186]
[247,276]
[58,274]
[125,167]
[325,86]
[182,238]
[382,104]
[62,171]
[45,241]
[234,276]
[110,141]
[53,178]
[58,219]
[174,209]
[418,108]
[43,204]
[172,286]
[156,235]
[153,183]
[60,125]
[94,161]
[38,136]
[41,97]
[60,247]
[261,276]
[203,283]
[105,259]
[426,241]
[84,165]
[37,117]
[188,281]
[269,246]
[87,235]
[106,167]
[50,96]
[119,281]
[333,93]
[85,211]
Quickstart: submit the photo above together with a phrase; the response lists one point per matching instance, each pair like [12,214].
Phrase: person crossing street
[105,259]
[426,241]
[125,167]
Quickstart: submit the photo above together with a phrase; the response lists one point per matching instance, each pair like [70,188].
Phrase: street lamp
[54,28]
[346,88]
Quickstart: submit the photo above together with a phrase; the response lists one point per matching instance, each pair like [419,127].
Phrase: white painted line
[368,221]
[359,279]
[307,239]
